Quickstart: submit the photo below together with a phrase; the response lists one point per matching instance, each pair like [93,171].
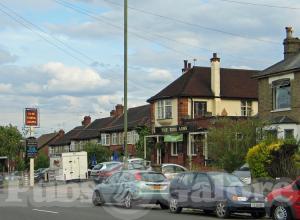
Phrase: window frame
[164,109]
[246,108]
[174,145]
[289,130]
[203,111]
[105,139]
[276,85]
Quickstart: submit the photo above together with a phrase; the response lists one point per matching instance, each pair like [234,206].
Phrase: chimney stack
[291,44]
[215,75]
[86,121]
[119,110]
[185,66]
[112,113]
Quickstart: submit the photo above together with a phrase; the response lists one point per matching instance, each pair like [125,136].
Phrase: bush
[273,159]
[102,153]
[42,161]
[20,164]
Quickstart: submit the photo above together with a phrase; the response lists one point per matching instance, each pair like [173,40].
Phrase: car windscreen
[98,167]
[152,177]
[136,166]
[226,180]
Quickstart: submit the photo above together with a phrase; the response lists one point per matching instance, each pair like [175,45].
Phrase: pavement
[73,202]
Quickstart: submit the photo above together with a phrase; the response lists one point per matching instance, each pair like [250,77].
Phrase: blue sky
[86,77]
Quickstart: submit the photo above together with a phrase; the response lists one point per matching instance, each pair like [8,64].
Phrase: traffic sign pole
[31,173]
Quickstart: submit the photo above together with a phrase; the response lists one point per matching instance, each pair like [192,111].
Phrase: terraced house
[182,112]
[279,91]
[107,132]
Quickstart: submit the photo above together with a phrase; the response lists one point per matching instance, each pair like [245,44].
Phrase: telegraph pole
[125,78]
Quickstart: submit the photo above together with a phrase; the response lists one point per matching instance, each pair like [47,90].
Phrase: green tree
[229,141]
[142,132]
[20,164]
[42,161]
[102,153]
[10,142]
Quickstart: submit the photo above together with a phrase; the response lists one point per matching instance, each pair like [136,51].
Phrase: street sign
[31,147]
[31,117]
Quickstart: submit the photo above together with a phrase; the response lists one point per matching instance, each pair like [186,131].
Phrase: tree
[20,164]
[142,132]
[229,141]
[42,161]
[10,142]
[101,153]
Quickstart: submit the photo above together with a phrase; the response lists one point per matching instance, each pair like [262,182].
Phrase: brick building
[46,139]
[182,112]
[279,89]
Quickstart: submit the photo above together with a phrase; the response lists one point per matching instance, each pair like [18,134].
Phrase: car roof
[172,164]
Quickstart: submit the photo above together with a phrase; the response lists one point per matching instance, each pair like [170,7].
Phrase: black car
[217,192]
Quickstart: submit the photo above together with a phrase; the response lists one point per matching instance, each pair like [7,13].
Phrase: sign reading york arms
[171,129]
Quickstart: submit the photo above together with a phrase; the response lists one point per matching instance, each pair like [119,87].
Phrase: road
[73,202]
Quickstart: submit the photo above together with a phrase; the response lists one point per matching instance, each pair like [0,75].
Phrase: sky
[66,57]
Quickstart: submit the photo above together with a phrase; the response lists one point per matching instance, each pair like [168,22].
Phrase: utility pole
[125,78]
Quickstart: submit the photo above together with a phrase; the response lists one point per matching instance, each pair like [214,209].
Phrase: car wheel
[173,206]
[222,210]
[281,213]
[128,201]
[97,199]
[257,215]
[163,205]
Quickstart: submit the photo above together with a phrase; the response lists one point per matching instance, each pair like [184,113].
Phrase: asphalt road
[73,202]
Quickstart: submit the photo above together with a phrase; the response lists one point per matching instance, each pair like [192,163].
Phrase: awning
[173,138]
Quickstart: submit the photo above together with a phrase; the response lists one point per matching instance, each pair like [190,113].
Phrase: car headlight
[239,198]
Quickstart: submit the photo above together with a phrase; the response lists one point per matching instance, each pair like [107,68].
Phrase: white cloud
[5,88]
[159,75]
[74,79]
[6,57]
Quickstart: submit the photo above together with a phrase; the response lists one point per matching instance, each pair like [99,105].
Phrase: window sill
[160,119]
[174,155]
[281,110]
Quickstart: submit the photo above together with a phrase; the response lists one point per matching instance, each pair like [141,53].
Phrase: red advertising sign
[31,117]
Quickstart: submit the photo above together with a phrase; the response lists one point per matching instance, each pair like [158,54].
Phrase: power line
[193,24]
[261,5]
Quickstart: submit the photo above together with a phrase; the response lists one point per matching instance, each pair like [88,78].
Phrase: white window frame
[105,139]
[174,149]
[246,108]
[275,97]
[163,107]
[114,139]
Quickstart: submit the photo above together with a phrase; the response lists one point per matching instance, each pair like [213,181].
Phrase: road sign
[31,147]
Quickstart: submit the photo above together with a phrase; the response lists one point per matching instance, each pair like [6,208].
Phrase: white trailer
[70,166]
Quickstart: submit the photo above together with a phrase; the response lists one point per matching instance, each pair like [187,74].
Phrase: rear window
[152,177]
[98,167]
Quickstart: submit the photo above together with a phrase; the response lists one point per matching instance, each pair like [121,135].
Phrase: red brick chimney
[61,133]
[112,113]
[86,121]
[119,110]
[186,67]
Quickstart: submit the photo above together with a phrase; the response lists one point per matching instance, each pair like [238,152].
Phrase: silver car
[132,186]
[103,166]
[171,170]
[244,174]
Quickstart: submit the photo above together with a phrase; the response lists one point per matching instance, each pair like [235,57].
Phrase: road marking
[40,210]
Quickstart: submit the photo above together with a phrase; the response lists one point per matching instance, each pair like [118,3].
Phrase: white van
[70,166]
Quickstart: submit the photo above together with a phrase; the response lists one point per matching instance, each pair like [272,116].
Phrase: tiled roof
[45,139]
[66,139]
[137,116]
[287,65]
[93,130]
[235,83]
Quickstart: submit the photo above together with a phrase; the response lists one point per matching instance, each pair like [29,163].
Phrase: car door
[122,186]
[201,195]
[168,171]
[109,187]
[185,185]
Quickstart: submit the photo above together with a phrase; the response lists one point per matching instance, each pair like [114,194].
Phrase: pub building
[182,112]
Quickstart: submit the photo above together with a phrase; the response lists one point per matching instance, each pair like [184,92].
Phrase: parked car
[14,176]
[218,192]
[40,174]
[103,166]
[130,187]
[1,180]
[244,174]
[283,203]
[140,161]
[171,170]
[105,173]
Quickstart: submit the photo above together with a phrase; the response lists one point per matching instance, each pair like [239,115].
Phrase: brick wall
[182,109]
[265,103]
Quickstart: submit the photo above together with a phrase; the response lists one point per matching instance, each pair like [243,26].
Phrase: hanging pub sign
[171,129]
[31,147]
[31,117]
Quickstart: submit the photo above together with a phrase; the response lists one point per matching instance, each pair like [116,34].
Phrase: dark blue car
[214,192]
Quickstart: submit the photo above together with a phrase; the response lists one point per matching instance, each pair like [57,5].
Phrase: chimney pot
[189,66]
[119,110]
[289,32]
[215,58]
[86,120]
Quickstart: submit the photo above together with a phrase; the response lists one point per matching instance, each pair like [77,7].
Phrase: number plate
[156,187]
[257,205]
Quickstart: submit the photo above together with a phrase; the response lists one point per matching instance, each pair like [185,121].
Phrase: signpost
[31,119]
[31,152]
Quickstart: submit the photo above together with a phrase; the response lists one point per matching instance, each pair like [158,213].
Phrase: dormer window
[281,94]
[164,109]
